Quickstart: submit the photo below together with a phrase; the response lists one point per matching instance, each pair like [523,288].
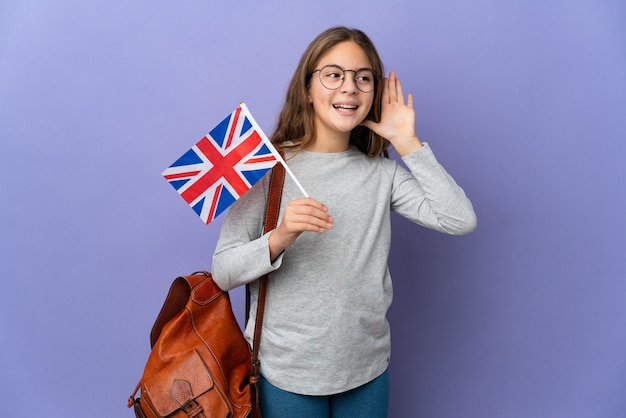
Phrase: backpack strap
[272,211]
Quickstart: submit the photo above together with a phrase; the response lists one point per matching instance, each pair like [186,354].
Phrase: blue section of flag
[220,132]
[264,150]
[190,157]
[254,175]
[246,125]
[198,207]
[226,199]
[177,184]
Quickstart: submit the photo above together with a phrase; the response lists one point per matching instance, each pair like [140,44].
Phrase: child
[325,342]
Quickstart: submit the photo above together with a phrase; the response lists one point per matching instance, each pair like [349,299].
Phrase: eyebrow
[339,66]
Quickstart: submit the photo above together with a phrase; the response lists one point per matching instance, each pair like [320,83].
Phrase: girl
[325,342]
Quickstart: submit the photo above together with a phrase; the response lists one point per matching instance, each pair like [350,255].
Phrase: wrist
[406,145]
[276,247]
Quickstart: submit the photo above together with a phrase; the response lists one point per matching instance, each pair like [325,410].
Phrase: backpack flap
[184,384]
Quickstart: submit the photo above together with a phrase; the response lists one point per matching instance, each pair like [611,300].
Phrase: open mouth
[345,107]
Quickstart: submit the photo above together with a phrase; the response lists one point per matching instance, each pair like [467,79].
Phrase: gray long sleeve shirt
[325,329]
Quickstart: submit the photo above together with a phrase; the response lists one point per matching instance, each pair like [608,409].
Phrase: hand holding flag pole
[224,165]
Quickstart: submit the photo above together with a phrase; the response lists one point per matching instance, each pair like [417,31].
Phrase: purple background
[523,101]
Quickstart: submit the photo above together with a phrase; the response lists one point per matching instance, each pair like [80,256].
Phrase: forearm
[243,264]
[442,204]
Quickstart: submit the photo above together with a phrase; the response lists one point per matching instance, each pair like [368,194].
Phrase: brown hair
[296,121]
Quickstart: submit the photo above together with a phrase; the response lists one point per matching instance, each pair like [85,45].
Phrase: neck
[329,145]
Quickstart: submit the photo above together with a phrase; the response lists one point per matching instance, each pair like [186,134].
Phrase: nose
[349,82]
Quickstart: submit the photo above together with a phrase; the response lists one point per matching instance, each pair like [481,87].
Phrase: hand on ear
[397,121]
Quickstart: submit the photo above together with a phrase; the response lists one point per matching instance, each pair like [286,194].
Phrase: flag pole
[271,147]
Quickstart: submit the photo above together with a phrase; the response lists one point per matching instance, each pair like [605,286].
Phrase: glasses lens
[365,80]
[332,78]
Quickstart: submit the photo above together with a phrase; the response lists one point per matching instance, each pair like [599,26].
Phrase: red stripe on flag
[216,197]
[260,159]
[233,126]
[181,175]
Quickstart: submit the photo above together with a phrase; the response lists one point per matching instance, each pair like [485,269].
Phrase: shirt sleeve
[242,253]
[429,196]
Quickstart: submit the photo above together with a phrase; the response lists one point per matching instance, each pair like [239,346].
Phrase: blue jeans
[368,401]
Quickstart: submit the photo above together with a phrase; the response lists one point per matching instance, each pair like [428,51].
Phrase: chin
[346,127]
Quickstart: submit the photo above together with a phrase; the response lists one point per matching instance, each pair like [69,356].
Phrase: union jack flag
[223,165]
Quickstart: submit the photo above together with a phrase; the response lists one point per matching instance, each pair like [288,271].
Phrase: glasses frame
[343,77]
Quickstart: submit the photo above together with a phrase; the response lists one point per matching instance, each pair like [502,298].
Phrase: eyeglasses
[333,76]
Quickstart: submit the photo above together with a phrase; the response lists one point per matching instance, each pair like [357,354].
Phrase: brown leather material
[200,356]
[200,365]
[175,301]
